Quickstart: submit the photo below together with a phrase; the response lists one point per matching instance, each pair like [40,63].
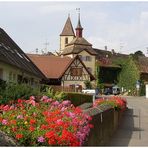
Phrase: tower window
[66,40]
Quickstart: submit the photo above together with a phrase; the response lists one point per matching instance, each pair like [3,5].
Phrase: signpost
[146,91]
[137,87]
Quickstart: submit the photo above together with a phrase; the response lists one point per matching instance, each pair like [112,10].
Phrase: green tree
[129,73]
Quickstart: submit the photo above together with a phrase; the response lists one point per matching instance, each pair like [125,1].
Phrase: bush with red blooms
[118,103]
[48,123]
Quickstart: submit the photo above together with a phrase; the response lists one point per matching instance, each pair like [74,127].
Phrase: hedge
[78,98]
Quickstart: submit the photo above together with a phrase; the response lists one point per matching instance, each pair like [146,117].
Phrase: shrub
[13,91]
[59,96]
[88,84]
[78,98]
[2,86]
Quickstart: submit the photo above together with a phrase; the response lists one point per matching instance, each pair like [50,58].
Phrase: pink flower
[32,98]
[72,115]
[4,122]
[12,107]
[5,108]
[62,109]
[41,139]
[31,102]
[46,99]
[56,103]
[66,102]
[59,121]
[20,117]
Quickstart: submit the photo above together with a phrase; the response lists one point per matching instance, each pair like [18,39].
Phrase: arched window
[66,40]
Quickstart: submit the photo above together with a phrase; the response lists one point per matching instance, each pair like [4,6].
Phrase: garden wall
[105,123]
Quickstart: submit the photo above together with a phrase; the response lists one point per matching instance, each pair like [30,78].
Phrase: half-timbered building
[63,71]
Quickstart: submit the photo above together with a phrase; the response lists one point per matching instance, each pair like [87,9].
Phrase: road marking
[139,124]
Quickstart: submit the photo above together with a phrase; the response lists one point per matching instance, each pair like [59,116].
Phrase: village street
[133,128]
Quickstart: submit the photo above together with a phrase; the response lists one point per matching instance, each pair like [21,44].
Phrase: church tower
[79,28]
[67,34]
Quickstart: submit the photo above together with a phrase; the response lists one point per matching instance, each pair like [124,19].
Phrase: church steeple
[67,34]
[79,29]
[68,29]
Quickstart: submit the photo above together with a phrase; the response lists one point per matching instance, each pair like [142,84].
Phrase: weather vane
[78,10]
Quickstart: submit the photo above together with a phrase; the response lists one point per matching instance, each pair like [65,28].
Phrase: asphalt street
[133,127]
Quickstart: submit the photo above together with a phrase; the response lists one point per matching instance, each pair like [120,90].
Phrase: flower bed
[118,103]
[46,123]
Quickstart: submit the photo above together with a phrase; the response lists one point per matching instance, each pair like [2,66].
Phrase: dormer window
[88,58]
[66,40]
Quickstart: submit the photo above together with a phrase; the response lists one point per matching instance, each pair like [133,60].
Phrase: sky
[122,26]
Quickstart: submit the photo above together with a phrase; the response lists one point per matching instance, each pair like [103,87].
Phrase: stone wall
[105,123]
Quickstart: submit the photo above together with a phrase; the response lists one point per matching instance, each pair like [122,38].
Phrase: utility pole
[46,46]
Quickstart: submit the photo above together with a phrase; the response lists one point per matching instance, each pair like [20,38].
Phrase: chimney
[105,48]
[113,51]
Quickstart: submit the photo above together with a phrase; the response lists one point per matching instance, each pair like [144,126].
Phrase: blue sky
[122,26]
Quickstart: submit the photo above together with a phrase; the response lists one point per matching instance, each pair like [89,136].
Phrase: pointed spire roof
[79,22]
[68,28]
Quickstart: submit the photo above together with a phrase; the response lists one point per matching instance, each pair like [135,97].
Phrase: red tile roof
[51,66]
[143,64]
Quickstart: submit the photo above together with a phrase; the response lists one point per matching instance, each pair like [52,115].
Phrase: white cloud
[57,8]
[144,17]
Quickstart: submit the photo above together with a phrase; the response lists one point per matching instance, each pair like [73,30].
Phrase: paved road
[133,128]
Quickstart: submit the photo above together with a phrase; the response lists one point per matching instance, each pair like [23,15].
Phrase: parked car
[108,91]
[115,90]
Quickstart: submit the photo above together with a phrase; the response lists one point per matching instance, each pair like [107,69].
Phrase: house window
[76,71]
[66,40]
[88,58]
[1,73]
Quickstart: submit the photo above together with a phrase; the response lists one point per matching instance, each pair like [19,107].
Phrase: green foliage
[97,75]
[14,91]
[78,98]
[142,89]
[2,87]
[59,96]
[129,73]
[87,84]
[49,92]
[139,53]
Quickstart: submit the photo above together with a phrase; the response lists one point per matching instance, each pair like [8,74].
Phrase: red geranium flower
[31,128]
[50,134]
[19,136]
[32,121]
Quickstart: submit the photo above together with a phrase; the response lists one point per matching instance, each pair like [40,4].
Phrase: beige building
[15,66]
[78,46]
[64,71]
[67,34]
